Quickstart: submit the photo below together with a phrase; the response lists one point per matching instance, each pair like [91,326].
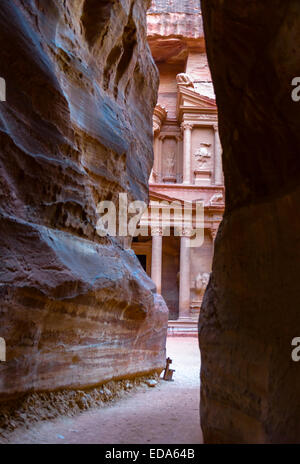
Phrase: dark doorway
[170,270]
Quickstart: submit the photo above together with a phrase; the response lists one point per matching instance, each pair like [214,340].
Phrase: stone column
[156,258]
[218,158]
[187,146]
[154,172]
[184,276]
[159,158]
[213,231]
[178,160]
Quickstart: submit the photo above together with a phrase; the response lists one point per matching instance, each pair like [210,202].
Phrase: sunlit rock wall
[250,386]
[75,310]
[174,27]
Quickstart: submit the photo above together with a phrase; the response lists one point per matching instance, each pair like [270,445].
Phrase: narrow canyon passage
[149,182]
[168,413]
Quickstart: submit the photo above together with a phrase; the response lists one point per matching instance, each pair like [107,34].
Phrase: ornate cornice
[213,231]
[186,125]
[198,106]
[184,79]
[156,231]
[187,231]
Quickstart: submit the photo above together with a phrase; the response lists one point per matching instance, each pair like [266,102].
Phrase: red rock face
[76,129]
[250,386]
[174,27]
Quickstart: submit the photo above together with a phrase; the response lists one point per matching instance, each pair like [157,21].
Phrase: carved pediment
[190,101]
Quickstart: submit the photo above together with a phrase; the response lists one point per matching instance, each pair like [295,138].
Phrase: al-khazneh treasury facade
[187,154]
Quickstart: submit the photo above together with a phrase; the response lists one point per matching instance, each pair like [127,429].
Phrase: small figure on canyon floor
[168,374]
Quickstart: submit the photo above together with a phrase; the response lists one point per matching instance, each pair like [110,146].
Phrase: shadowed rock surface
[250,387]
[76,310]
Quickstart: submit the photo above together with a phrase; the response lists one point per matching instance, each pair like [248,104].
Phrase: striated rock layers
[250,386]
[76,310]
[174,28]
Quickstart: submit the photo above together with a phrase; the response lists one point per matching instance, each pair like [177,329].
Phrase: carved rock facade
[187,166]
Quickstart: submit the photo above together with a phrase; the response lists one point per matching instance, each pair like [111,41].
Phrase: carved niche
[203,164]
[169,160]
[200,285]
[203,156]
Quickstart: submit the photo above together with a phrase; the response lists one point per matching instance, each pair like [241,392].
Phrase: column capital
[156,231]
[159,116]
[215,127]
[213,231]
[187,231]
[185,125]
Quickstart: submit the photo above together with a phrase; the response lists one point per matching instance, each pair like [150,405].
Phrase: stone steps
[183,327]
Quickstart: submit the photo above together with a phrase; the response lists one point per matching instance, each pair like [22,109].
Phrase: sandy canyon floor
[167,413]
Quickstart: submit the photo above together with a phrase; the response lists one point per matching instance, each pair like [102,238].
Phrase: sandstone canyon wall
[173,28]
[250,386]
[176,39]
[76,309]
